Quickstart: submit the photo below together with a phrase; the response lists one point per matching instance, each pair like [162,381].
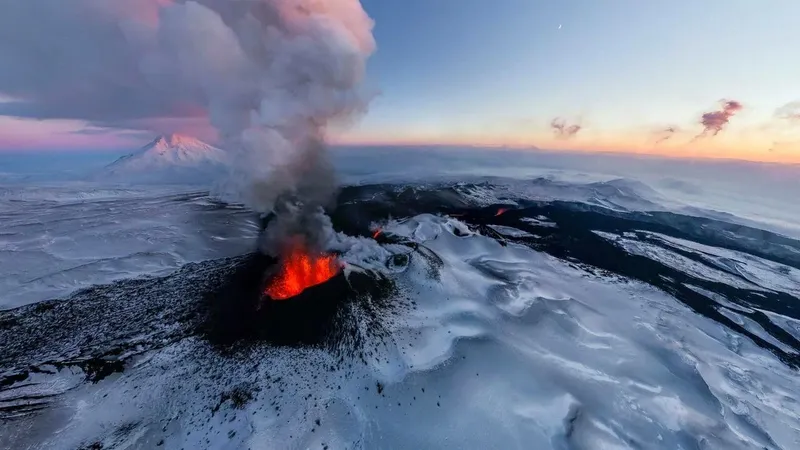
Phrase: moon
[559,26]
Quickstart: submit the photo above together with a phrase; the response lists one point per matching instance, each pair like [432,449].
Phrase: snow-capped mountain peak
[173,140]
[175,149]
[168,158]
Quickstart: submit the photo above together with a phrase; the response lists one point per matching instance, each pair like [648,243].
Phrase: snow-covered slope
[168,159]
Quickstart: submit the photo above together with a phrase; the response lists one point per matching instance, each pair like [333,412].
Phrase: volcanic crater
[327,314]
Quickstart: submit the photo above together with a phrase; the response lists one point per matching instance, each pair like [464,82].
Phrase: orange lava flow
[377,233]
[501,211]
[301,270]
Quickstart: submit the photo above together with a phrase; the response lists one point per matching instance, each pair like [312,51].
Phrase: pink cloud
[22,134]
[715,121]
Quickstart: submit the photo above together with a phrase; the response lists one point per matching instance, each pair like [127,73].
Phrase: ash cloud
[563,130]
[269,75]
[715,121]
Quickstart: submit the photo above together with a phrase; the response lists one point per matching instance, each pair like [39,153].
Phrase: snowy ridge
[168,159]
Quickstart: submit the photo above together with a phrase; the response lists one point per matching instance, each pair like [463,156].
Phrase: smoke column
[270,75]
[282,70]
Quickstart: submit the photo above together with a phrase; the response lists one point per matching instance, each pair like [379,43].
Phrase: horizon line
[432,145]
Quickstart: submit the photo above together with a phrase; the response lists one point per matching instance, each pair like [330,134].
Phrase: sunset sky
[617,75]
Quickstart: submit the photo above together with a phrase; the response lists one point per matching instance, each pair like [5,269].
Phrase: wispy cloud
[564,130]
[126,134]
[789,111]
[665,134]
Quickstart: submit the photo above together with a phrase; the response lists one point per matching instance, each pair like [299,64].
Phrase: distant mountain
[168,159]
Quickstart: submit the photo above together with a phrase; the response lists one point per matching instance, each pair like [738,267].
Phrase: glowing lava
[301,270]
[501,211]
[377,233]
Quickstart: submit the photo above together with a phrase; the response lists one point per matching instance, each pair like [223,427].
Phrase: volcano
[168,159]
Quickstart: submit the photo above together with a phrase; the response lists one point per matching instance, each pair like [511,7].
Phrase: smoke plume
[715,121]
[269,75]
[562,130]
[665,134]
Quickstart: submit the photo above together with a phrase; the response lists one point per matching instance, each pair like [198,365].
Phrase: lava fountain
[299,270]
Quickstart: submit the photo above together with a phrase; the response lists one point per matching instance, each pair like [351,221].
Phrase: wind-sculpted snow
[56,240]
[533,328]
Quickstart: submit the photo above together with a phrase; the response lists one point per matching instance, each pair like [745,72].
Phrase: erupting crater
[299,270]
[301,298]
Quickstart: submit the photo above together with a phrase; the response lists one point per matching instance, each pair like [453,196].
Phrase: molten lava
[377,233]
[300,270]
[501,211]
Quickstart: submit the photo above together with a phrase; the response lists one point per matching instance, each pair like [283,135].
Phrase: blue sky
[450,67]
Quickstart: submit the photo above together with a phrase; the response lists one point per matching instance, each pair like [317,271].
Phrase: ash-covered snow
[678,261]
[759,271]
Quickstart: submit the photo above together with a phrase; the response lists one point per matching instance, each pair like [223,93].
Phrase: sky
[612,75]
